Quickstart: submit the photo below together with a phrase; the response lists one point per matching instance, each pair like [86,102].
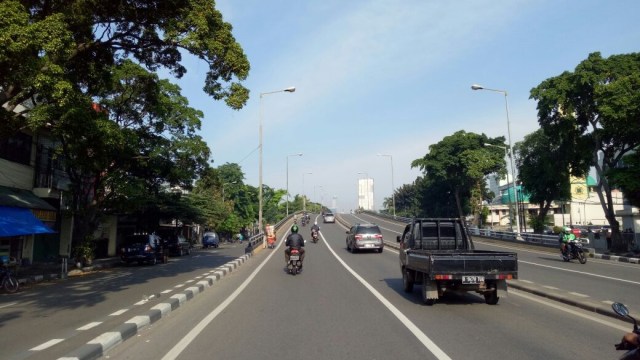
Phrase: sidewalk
[40,272]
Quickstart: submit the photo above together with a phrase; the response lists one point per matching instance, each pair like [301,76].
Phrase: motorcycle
[633,351]
[574,250]
[295,262]
[314,236]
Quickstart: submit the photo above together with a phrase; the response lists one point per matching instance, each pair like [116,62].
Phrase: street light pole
[393,188]
[304,194]
[298,154]
[513,169]
[289,89]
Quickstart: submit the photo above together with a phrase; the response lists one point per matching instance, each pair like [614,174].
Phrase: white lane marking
[567,309]
[580,272]
[196,330]
[189,281]
[119,312]
[89,326]
[46,345]
[422,337]
[165,291]
[550,287]
[608,302]
[578,294]
[526,281]
[7,305]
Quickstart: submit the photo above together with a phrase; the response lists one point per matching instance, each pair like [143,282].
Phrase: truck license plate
[294,257]
[472,279]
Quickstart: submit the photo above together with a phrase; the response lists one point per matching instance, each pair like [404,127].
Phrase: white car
[329,218]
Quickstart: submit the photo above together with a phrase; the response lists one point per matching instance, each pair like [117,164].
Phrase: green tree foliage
[54,52]
[627,177]
[597,109]
[544,166]
[455,167]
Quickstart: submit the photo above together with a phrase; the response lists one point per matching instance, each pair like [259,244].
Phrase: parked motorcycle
[295,262]
[314,236]
[574,250]
[633,351]
[7,280]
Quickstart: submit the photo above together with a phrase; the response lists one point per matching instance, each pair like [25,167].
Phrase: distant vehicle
[141,249]
[329,217]
[364,237]
[177,244]
[210,239]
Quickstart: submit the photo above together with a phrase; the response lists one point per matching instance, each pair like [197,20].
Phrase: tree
[458,164]
[597,108]
[51,52]
[544,167]
[626,177]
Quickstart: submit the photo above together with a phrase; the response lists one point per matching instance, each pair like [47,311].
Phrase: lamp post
[367,189]
[314,194]
[393,188]
[227,183]
[289,89]
[288,156]
[513,170]
[304,195]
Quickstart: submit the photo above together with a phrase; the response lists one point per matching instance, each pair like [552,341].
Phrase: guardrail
[537,239]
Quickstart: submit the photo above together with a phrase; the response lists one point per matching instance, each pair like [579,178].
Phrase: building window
[17,148]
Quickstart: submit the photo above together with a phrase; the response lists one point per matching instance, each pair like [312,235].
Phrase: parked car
[329,217]
[177,244]
[364,237]
[210,239]
[142,248]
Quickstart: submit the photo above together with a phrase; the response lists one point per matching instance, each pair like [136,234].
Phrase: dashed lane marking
[90,325]
[46,345]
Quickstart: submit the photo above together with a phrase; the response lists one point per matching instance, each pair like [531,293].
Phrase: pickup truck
[439,254]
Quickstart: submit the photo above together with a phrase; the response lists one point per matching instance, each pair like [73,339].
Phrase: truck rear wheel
[407,281]
[491,297]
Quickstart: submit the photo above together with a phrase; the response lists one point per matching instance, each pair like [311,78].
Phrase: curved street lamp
[513,170]
[289,89]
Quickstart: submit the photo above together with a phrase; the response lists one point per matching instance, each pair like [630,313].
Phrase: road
[352,306]
[50,319]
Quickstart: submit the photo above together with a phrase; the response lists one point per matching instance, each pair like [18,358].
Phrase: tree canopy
[596,108]
[458,164]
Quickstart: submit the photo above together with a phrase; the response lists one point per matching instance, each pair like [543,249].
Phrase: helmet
[315,223]
[294,229]
[566,229]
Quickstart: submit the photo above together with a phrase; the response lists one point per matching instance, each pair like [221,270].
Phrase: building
[365,194]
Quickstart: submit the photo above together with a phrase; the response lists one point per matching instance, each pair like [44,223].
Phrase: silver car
[364,237]
[329,218]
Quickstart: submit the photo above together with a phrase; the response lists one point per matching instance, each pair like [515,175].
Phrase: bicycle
[8,282]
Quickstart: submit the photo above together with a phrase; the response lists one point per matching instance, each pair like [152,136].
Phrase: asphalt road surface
[346,305]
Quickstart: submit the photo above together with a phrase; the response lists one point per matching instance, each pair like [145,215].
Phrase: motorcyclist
[315,228]
[294,241]
[566,236]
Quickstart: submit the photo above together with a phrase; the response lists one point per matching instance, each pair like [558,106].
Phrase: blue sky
[391,77]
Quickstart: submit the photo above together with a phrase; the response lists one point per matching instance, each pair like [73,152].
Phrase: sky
[390,77]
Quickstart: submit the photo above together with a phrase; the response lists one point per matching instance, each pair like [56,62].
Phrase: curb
[100,345]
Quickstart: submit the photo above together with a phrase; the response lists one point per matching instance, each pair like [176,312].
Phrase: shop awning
[15,221]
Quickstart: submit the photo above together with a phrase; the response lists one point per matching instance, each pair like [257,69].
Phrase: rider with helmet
[315,228]
[566,236]
[294,241]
